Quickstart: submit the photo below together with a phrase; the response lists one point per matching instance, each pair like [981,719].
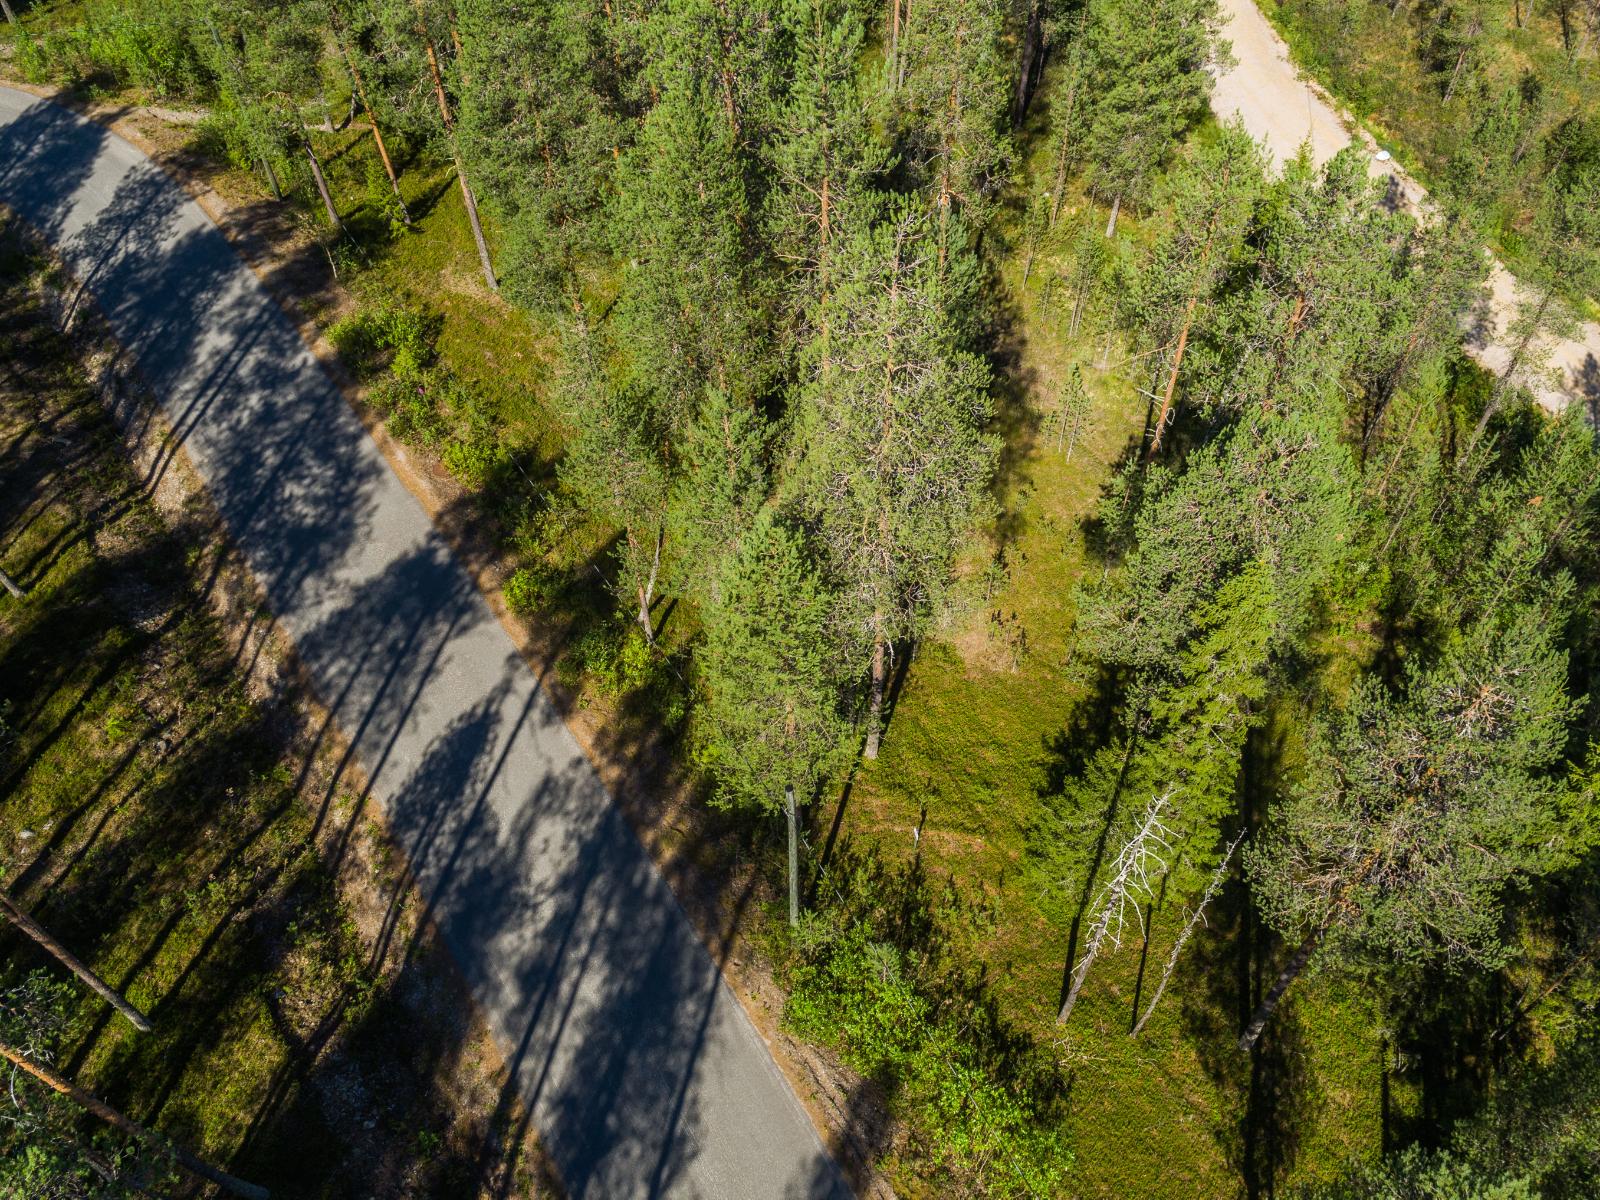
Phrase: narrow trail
[643,1074]
[1285,111]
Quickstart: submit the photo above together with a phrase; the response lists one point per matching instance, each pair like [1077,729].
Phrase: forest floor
[162,774]
[987,713]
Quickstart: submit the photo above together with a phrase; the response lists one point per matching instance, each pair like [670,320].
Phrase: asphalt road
[644,1076]
[1284,111]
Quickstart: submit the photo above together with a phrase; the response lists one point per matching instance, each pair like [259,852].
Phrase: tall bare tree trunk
[894,44]
[15,914]
[111,1116]
[12,586]
[467,198]
[1269,1002]
[880,682]
[1188,321]
[1066,117]
[377,134]
[5,7]
[1195,918]
[1111,225]
[1032,56]
[905,27]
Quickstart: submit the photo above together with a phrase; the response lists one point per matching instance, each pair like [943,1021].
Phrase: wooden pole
[794,856]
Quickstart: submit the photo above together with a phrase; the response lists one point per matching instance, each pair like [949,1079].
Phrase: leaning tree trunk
[377,134]
[1188,321]
[12,586]
[1269,1002]
[15,914]
[1513,364]
[321,181]
[1195,918]
[467,198]
[111,1116]
[5,7]
[1111,225]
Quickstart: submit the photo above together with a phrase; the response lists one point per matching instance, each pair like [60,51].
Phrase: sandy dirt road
[1285,111]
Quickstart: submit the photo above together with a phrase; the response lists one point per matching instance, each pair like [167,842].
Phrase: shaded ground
[157,777]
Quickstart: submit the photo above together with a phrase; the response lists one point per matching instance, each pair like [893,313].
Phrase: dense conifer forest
[1174,655]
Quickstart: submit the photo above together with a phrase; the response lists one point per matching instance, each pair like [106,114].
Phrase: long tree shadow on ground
[1232,960]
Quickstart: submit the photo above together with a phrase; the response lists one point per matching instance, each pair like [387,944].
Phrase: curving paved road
[644,1076]
[1284,111]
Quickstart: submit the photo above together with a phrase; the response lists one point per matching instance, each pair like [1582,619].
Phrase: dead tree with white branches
[1138,862]
[1195,918]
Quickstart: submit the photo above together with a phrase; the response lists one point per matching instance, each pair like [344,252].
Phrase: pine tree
[1207,203]
[772,718]
[824,154]
[891,461]
[1327,255]
[720,482]
[771,730]
[954,100]
[1418,811]
[1148,80]
[695,303]
[424,27]
[1075,406]
[538,133]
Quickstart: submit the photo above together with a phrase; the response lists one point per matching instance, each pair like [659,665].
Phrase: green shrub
[400,338]
[529,590]
[988,1131]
